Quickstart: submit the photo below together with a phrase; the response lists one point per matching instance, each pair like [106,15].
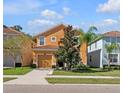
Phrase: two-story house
[22,59]
[97,54]
[47,44]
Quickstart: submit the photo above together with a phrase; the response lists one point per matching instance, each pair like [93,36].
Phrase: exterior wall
[27,58]
[58,35]
[83,53]
[96,50]
[99,45]
[94,58]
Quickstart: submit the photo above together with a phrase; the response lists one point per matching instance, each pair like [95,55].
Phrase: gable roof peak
[51,30]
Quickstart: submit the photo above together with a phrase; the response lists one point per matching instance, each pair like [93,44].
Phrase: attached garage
[44,61]
[8,61]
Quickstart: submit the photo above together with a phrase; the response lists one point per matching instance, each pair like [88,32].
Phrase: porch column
[35,59]
[53,60]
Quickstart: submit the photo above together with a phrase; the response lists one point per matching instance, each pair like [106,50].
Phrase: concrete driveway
[35,77]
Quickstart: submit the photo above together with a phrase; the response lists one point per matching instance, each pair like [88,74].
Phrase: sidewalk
[62,76]
[35,77]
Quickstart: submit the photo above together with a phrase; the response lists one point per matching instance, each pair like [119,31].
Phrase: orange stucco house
[24,58]
[47,44]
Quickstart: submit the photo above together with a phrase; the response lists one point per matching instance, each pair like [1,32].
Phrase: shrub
[33,65]
[82,67]
[53,66]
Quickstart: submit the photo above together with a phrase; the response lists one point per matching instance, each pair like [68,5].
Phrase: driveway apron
[35,77]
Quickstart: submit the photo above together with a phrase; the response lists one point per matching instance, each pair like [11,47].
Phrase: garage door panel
[8,61]
[45,61]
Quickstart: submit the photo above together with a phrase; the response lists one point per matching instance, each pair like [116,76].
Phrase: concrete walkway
[35,77]
[62,76]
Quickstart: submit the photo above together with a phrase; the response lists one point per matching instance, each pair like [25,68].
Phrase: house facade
[47,43]
[22,59]
[97,54]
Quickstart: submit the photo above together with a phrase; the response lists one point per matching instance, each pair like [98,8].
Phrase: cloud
[66,10]
[38,25]
[110,21]
[40,22]
[50,14]
[109,6]
[107,25]
[21,6]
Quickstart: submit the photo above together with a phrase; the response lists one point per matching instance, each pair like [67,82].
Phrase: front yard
[82,81]
[17,71]
[8,79]
[92,72]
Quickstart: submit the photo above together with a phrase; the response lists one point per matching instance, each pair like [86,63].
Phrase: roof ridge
[49,29]
[14,30]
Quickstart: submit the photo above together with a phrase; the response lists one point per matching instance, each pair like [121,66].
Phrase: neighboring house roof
[112,34]
[107,34]
[7,30]
[46,47]
[52,30]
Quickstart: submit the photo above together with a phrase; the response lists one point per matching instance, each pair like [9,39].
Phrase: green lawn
[8,79]
[17,71]
[82,81]
[93,72]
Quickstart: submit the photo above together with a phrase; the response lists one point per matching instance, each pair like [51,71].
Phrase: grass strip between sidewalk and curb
[8,78]
[17,71]
[82,81]
[88,73]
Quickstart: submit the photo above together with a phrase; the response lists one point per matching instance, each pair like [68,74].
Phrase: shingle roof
[112,34]
[8,30]
[46,47]
[52,30]
[107,34]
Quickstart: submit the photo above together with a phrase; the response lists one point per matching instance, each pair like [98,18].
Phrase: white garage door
[8,61]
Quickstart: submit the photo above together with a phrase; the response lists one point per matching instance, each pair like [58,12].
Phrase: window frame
[52,39]
[40,40]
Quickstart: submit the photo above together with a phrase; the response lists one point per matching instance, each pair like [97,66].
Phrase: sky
[36,16]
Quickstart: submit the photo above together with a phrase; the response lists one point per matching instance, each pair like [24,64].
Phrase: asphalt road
[61,89]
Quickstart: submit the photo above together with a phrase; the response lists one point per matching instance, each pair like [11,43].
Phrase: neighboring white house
[97,54]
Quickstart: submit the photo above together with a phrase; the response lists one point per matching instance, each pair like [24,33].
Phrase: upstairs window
[53,39]
[41,40]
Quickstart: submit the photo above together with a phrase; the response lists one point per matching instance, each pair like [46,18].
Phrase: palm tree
[87,37]
[109,49]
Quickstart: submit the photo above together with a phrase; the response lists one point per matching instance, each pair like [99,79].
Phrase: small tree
[109,49]
[69,51]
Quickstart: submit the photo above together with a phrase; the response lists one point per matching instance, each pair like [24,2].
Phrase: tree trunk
[109,64]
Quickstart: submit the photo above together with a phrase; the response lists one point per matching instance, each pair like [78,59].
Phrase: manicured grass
[17,71]
[92,72]
[82,81]
[8,79]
